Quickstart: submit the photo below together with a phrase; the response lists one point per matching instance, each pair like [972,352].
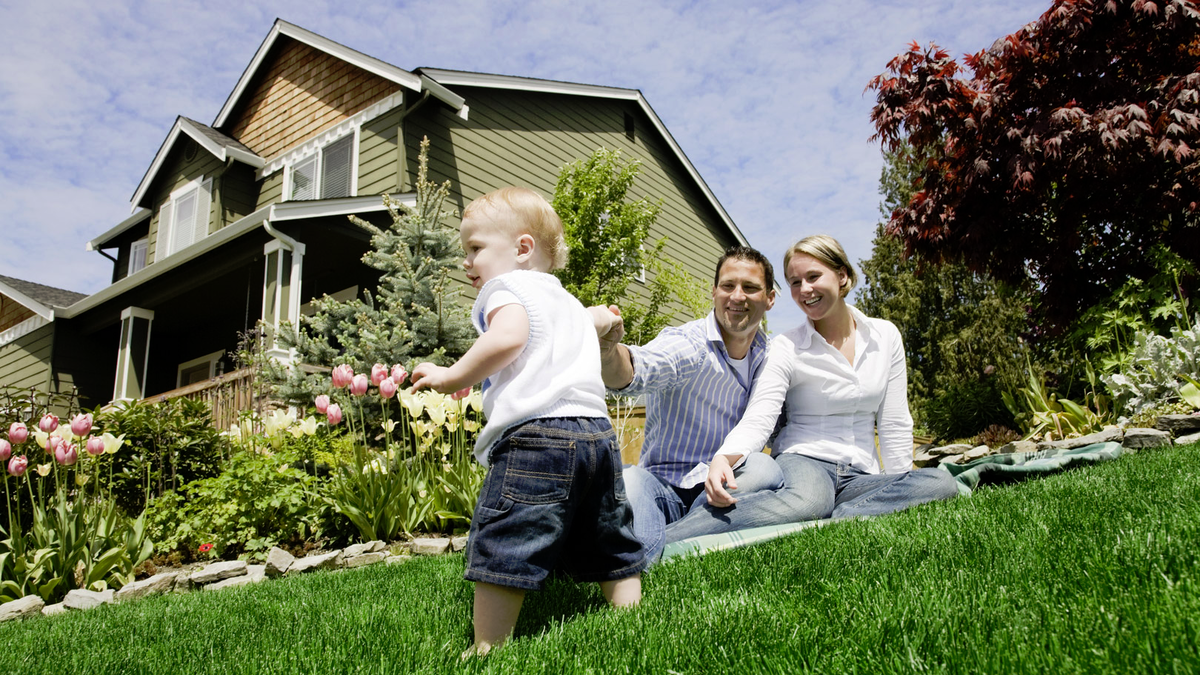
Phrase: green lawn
[1089,571]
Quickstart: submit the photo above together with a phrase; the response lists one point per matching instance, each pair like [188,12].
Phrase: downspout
[401,153]
[287,241]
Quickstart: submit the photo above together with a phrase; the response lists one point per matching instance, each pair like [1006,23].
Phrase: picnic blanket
[993,469]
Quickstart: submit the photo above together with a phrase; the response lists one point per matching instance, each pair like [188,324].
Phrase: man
[696,381]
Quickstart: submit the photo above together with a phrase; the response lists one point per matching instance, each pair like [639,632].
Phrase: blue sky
[766,98]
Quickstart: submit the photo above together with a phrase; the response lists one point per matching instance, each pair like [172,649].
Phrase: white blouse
[834,408]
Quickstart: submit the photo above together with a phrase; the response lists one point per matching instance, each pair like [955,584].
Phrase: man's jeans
[815,489]
[656,504]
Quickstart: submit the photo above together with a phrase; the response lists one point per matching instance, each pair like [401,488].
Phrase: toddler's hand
[429,376]
[610,327]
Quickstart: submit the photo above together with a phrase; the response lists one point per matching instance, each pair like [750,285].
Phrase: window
[327,174]
[198,370]
[137,255]
[183,220]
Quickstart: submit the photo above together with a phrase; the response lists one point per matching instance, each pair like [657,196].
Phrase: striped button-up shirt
[693,395]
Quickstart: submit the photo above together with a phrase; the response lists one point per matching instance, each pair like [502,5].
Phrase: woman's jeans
[814,489]
[656,503]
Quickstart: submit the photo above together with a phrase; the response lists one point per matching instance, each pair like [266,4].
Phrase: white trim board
[24,328]
[99,242]
[38,308]
[182,126]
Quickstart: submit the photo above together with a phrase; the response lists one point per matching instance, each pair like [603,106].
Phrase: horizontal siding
[377,155]
[271,190]
[25,362]
[239,192]
[174,174]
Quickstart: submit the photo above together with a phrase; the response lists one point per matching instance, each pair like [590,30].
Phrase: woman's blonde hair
[532,215]
[828,252]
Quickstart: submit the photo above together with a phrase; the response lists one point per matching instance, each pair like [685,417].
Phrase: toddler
[553,497]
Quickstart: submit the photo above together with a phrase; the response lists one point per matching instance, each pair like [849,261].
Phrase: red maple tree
[1068,151]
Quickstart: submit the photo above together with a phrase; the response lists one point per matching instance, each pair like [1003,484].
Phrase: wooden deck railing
[226,395]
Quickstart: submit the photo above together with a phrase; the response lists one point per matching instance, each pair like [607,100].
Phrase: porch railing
[226,395]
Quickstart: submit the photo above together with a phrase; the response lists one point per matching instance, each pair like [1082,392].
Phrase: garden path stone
[364,559]
[976,452]
[278,562]
[54,610]
[952,449]
[1190,438]
[253,575]
[218,571]
[21,608]
[1109,434]
[155,585]
[458,543]
[1018,446]
[430,546]
[1177,424]
[183,584]
[924,459]
[1136,439]
[322,561]
[81,599]
[950,459]
[359,549]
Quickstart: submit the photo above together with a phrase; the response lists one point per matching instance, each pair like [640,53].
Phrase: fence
[226,395]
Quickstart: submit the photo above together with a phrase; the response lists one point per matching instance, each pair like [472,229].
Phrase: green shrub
[1157,369]
[963,410]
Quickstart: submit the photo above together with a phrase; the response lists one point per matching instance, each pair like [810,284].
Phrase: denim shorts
[553,499]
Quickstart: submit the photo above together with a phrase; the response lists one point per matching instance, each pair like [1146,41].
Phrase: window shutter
[335,169]
[163,246]
[203,205]
[304,179]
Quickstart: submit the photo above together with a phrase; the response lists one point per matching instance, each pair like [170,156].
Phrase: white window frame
[138,251]
[213,360]
[168,217]
[316,148]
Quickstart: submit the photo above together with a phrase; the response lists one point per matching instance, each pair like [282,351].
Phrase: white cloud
[766,98]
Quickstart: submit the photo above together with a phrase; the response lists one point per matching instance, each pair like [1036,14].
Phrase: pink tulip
[18,433]
[322,403]
[342,375]
[5,450]
[95,446]
[17,466]
[334,414]
[461,394]
[387,388]
[49,423]
[81,425]
[399,374]
[379,373]
[52,444]
[66,454]
[989,369]
[358,386]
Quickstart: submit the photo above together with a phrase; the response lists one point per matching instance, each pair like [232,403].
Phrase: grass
[1090,571]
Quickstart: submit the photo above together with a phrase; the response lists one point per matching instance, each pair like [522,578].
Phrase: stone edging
[230,574]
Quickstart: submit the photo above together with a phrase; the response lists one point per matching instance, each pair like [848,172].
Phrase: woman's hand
[720,475]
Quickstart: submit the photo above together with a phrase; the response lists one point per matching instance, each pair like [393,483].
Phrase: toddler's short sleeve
[496,299]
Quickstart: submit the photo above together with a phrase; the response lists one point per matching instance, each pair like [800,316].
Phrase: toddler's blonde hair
[532,215]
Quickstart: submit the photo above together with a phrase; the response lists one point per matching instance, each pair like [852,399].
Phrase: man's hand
[720,475]
[610,327]
[429,376]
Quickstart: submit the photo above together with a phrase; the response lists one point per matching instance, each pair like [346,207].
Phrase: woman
[843,378]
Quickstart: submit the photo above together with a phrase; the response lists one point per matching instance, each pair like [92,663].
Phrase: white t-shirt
[558,372]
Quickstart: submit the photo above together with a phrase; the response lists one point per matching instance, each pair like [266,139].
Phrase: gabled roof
[214,142]
[100,242]
[41,299]
[469,79]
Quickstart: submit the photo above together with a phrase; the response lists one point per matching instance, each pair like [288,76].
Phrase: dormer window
[325,174]
[137,255]
[183,220]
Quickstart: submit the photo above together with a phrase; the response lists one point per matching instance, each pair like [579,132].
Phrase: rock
[976,453]
[155,585]
[950,459]
[924,459]
[1109,434]
[183,584]
[321,561]
[458,543]
[1190,438]
[430,546]
[21,608]
[364,559]
[53,610]
[253,575]
[79,599]
[218,571]
[952,449]
[359,549]
[1177,424]
[1019,446]
[278,562]
[1136,439]
[397,559]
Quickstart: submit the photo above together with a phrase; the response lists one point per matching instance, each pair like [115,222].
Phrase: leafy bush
[996,435]
[1043,413]
[965,409]
[1157,369]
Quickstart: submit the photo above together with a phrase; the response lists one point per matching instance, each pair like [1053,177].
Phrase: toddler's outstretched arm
[500,345]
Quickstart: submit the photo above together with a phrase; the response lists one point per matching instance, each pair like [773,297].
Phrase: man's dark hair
[749,255]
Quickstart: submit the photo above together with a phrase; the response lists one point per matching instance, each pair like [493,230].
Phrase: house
[27,333]
[245,219]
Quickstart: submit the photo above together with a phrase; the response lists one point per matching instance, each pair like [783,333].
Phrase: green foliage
[1043,414]
[1149,417]
[1158,370]
[258,501]
[967,408]
[415,314]
[167,445]
[606,234]
[995,436]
